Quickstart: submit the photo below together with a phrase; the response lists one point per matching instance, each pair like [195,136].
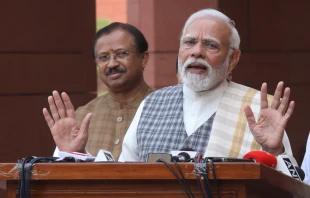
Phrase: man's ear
[145,58]
[229,76]
[234,60]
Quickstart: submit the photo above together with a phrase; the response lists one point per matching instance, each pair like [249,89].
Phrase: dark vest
[161,128]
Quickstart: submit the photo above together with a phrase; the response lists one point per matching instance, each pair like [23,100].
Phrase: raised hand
[67,135]
[268,131]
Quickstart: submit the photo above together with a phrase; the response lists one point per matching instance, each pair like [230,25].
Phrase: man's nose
[112,61]
[198,51]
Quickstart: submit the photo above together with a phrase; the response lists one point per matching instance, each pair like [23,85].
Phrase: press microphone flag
[300,172]
[104,156]
[286,166]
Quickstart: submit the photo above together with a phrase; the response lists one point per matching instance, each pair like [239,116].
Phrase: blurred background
[46,46]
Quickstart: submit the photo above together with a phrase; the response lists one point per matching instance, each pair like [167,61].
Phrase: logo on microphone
[104,156]
[108,156]
[291,168]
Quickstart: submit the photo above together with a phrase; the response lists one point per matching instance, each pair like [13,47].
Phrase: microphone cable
[205,177]
[176,176]
[215,179]
[198,176]
[183,179]
[25,167]
[21,171]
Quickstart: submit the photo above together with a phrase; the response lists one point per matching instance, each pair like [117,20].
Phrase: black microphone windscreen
[300,172]
[69,159]
[175,158]
[185,155]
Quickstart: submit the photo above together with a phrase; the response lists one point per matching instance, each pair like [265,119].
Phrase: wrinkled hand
[268,131]
[67,135]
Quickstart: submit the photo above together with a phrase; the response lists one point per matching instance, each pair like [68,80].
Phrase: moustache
[190,61]
[196,62]
[117,69]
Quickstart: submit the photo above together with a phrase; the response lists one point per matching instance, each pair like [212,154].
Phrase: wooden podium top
[252,174]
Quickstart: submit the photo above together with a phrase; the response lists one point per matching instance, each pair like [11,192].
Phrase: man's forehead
[107,49]
[209,27]
[115,40]
[117,35]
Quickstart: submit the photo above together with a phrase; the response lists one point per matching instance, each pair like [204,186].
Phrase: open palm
[67,135]
[268,131]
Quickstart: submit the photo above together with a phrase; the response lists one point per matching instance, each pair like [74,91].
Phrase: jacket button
[119,119]
[116,141]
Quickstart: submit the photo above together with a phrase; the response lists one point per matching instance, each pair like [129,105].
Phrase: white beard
[203,82]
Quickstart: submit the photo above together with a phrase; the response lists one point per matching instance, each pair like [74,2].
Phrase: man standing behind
[206,112]
[120,52]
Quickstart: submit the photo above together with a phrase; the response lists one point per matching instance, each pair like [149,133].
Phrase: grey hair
[207,13]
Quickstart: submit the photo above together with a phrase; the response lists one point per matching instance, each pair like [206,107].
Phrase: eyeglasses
[104,58]
[209,45]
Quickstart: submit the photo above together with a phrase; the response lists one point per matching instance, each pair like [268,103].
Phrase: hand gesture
[268,131]
[67,135]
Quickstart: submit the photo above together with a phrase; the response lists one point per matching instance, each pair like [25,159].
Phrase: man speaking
[206,112]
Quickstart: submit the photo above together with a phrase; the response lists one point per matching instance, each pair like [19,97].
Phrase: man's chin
[199,86]
[192,71]
[114,82]
[115,76]
[116,85]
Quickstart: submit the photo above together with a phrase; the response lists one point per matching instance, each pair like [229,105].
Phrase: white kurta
[306,163]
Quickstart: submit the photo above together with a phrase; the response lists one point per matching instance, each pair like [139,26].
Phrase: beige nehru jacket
[109,122]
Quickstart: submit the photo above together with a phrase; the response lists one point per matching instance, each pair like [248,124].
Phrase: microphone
[262,157]
[300,172]
[181,157]
[281,163]
[185,156]
[287,167]
[104,156]
[78,156]
[173,156]
[153,157]
[68,159]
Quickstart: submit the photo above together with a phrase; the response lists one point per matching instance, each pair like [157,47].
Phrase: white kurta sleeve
[56,154]
[305,166]
[130,151]
[288,149]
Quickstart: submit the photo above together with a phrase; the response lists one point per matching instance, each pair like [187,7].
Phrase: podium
[92,180]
